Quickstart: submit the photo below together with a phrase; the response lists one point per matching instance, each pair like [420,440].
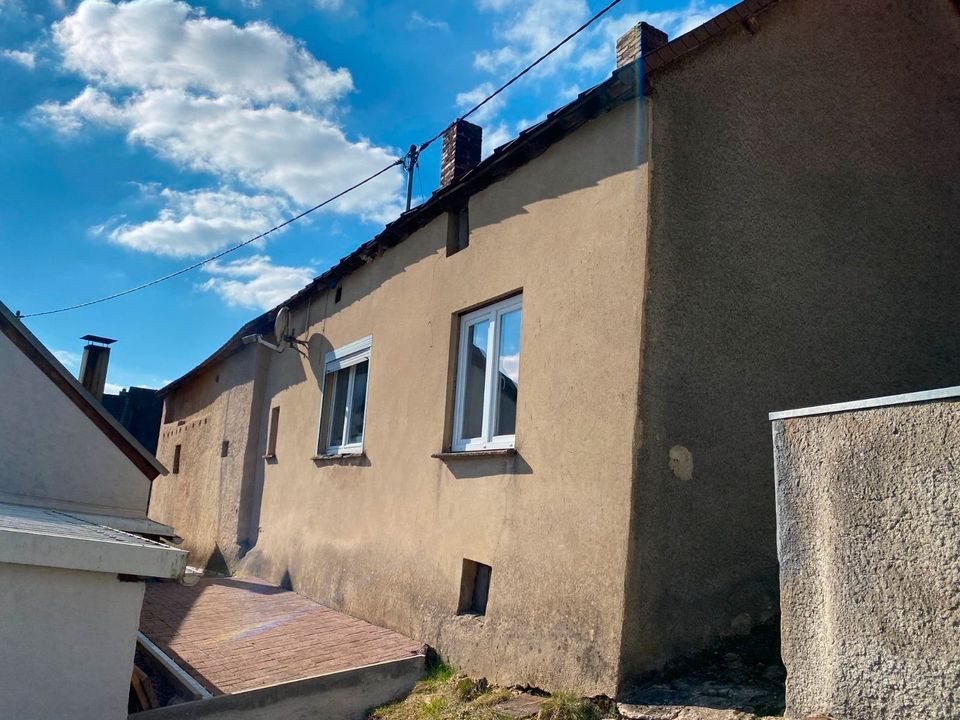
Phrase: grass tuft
[561,706]
[445,694]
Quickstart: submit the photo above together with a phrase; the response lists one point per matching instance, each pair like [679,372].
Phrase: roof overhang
[50,538]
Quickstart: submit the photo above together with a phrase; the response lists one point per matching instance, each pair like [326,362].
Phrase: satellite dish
[281,326]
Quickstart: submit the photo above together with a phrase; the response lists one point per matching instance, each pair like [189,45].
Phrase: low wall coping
[902,399]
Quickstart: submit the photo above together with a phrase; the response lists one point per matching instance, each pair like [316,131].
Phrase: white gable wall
[53,455]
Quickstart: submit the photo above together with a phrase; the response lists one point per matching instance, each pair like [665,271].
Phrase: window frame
[487,441]
[349,356]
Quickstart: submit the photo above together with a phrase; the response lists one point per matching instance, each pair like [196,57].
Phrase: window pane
[508,372]
[474,372]
[357,403]
[339,407]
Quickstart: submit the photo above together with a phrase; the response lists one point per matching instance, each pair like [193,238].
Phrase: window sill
[339,457]
[468,454]
[270,456]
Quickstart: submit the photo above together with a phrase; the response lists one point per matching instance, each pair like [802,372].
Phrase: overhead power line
[220,254]
[409,160]
[523,72]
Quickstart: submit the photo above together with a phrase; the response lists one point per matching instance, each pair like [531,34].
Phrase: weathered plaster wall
[82,468]
[383,537]
[67,640]
[803,249]
[207,501]
[869,537]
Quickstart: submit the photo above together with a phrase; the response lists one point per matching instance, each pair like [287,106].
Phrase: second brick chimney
[461,150]
[639,40]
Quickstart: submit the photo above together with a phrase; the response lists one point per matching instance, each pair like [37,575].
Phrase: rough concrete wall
[82,468]
[804,213]
[348,695]
[383,536]
[870,561]
[207,501]
[67,640]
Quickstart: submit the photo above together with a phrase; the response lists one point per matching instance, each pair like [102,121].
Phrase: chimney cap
[98,339]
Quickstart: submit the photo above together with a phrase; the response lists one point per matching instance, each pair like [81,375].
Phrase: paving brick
[238,634]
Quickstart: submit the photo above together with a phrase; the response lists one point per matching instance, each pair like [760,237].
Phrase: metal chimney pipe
[93,367]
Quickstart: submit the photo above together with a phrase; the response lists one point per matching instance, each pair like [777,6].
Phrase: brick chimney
[638,41]
[461,150]
[93,367]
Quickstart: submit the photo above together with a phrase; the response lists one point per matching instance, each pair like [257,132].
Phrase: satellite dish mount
[281,332]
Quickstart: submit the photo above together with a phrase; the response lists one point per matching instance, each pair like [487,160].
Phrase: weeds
[444,694]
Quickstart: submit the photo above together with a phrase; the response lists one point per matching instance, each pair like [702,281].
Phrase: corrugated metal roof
[45,537]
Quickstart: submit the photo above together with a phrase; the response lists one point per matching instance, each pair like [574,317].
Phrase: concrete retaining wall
[347,695]
[869,545]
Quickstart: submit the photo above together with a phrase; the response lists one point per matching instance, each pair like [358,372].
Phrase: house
[527,422]
[868,536]
[74,490]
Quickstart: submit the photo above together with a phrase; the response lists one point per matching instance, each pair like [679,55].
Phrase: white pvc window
[346,374]
[488,370]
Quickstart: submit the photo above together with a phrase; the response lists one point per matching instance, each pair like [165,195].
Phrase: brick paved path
[237,634]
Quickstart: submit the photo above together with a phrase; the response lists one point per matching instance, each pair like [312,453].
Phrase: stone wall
[869,544]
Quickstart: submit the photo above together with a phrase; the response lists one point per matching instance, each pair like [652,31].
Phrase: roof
[29,345]
[623,85]
[52,538]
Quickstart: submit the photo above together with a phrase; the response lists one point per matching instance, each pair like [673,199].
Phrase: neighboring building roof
[52,538]
[29,345]
[623,85]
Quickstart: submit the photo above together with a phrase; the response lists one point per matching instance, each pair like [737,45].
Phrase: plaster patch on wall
[681,462]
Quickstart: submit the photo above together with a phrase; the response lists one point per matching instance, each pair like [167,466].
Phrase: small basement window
[272,432]
[488,376]
[474,588]
[343,411]
[176,460]
[224,448]
[458,230]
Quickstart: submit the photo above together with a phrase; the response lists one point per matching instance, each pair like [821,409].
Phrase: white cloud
[466,100]
[419,21]
[112,388]
[247,104]
[328,4]
[255,281]
[526,30]
[200,222]
[152,44]
[21,57]
[69,359]
[495,137]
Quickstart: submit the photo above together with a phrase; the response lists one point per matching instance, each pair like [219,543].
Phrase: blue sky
[140,137]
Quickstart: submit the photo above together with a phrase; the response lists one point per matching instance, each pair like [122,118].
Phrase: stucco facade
[802,250]
[83,669]
[731,242]
[39,416]
[870,571]
[69,589]
[383,536]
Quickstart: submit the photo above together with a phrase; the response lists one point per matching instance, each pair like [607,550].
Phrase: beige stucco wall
[67,640]
[869,541]
[207,501]
[82,469]
[383,537]
[803,249]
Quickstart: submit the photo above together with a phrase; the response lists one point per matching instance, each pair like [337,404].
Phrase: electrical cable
[400,161]
[219,255]
[523,72]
